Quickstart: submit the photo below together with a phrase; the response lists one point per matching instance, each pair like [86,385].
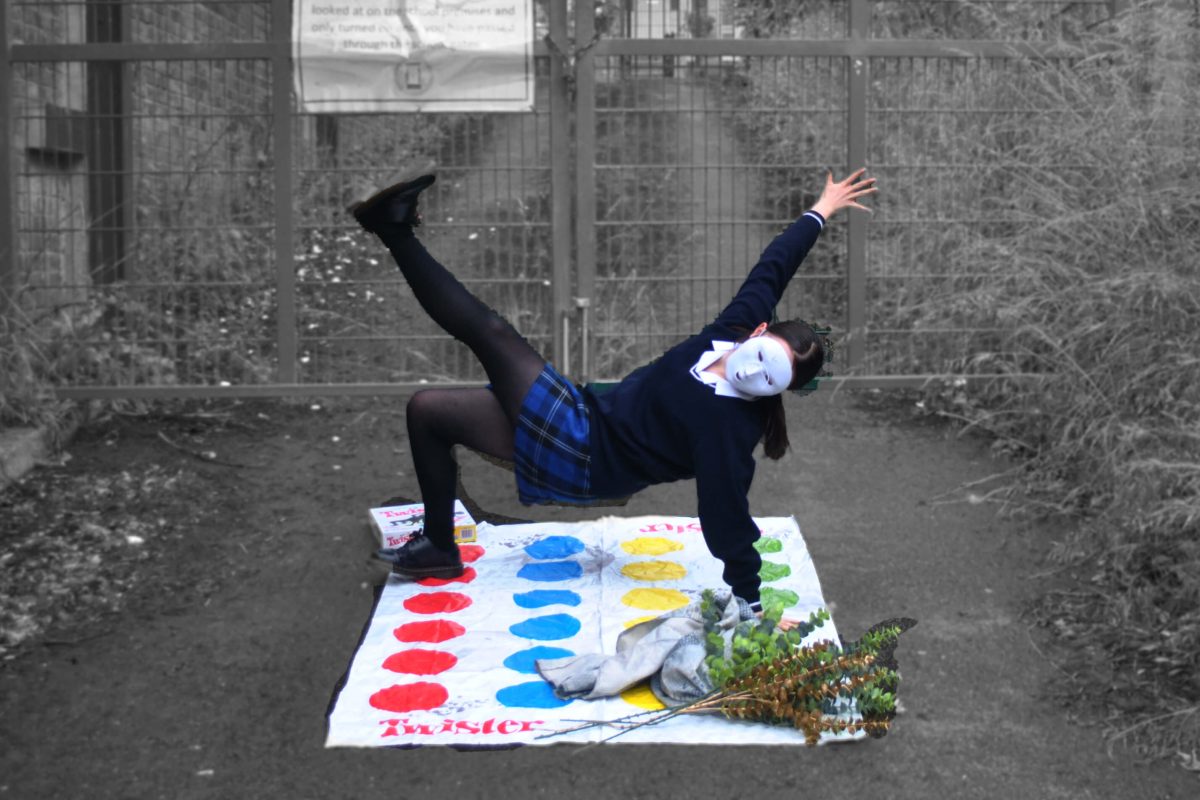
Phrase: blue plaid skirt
[552,455]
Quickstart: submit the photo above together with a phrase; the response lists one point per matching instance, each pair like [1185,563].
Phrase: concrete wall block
[52,216]
[181,121]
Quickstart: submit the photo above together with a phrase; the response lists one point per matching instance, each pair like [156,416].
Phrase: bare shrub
[1097,281]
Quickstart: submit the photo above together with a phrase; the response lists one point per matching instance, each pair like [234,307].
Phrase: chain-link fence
[178,226]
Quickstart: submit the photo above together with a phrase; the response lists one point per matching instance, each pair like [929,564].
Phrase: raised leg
[511,363]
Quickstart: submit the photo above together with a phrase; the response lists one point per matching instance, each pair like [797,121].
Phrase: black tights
[481,419]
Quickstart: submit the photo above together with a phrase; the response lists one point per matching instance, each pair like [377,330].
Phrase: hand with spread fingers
[845,193]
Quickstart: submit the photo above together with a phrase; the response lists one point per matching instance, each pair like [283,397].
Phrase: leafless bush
[1097,281]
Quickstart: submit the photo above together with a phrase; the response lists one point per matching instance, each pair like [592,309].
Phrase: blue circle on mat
[547,597]
[551,626]
[535,694]
[550,571]
[555,547]
[522,660]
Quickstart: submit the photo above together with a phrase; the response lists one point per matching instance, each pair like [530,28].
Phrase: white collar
[722,387]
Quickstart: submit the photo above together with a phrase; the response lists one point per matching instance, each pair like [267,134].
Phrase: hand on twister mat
[786,623]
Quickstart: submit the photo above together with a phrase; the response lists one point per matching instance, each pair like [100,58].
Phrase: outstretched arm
[724,467]
[764,286]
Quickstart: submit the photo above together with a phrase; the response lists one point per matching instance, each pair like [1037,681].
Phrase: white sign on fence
[354,56]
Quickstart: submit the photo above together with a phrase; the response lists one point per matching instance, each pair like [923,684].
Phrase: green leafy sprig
[764,674]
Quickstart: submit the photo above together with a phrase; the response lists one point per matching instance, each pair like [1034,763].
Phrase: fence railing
[172,217]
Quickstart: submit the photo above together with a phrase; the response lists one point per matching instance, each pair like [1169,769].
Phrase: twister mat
[451,662]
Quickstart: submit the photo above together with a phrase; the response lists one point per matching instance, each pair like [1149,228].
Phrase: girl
[698,411]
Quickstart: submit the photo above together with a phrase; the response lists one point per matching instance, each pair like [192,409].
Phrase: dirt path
[214,680]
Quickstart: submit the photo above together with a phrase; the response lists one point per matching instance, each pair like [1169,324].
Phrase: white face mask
[759,366]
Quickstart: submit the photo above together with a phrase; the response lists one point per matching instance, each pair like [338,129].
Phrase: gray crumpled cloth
[669,649]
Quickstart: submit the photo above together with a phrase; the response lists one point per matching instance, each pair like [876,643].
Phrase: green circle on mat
[768,545]
[779,597]
[771,571]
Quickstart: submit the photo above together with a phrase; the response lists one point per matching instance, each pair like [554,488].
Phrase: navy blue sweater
[660,424]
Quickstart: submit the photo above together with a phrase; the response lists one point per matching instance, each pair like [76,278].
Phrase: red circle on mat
[420,662]
[437,603]
[435,630]
[467,576]
[410,697]
[470,552]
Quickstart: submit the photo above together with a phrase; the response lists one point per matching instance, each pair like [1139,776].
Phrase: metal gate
[171,225]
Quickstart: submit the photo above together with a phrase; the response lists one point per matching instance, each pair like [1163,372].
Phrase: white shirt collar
[722,387]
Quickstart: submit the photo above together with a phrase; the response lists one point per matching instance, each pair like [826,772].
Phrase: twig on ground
[1047,658]
[203,457]
[1150,720]
[73,642]
[969,484]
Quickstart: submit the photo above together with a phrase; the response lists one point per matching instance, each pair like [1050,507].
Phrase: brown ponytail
[809,352]
[775,438]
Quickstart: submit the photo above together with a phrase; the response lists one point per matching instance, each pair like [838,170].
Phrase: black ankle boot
[395,205]
[420,558]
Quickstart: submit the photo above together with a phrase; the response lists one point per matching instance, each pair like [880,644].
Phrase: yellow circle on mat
[650,546]
[655,599]
[642,697]
[639,620]
[654,571]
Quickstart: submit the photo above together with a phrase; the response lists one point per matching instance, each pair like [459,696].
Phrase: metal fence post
[560,183]
[8,187]
[585,170]
[109,147]
[858,69]
[281,118]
